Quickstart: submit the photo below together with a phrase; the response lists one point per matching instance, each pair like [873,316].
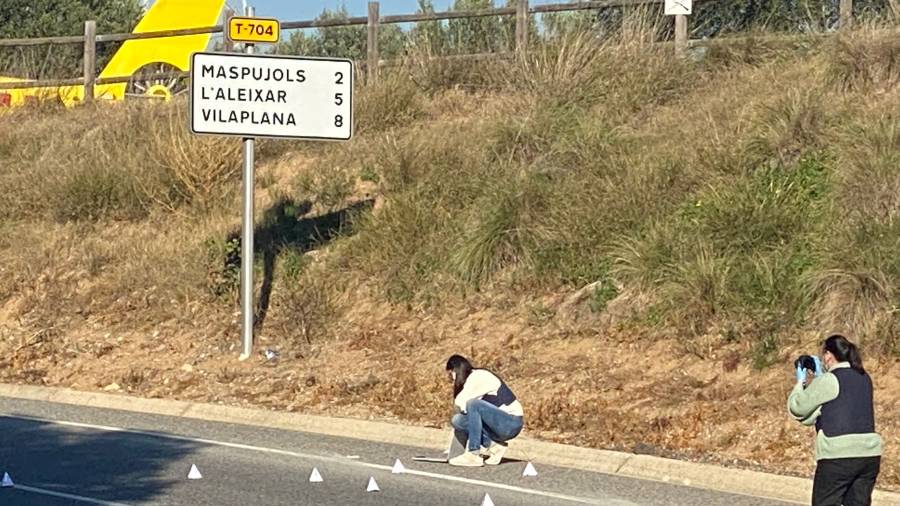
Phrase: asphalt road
[68,455]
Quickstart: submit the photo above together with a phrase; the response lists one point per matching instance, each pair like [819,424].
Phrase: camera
[805,362]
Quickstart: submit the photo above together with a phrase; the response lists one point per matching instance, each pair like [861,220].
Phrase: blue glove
[801,374]
[819,369]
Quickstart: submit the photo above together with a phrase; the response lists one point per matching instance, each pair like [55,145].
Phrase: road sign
[271,96]
[678,7]
[253,30]
[251,96]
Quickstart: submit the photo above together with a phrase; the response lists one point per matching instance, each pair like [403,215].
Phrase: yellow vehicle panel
[174,52]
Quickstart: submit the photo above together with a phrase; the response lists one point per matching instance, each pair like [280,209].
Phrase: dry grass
[857,304]
[306,308]
[198,170]
[394,101]
[866,60]
[128,161]
[736,193]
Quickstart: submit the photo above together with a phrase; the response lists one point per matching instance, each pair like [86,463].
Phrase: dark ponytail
[844,351]
[463,368]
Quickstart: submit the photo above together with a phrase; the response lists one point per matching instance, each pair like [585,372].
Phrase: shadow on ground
[283,226]
[110,466]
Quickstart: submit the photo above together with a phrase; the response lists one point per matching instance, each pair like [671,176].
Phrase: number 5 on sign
[253,30]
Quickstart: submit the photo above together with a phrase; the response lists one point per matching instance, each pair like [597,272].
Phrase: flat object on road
[457,446]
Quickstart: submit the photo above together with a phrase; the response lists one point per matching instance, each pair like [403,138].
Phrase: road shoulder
[647,467]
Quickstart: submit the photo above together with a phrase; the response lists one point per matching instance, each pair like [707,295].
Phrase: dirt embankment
[604,388]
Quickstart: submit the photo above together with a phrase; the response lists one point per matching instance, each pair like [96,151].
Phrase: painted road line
[61,495]
[340,461]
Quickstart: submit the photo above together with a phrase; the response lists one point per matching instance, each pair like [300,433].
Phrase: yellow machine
[145,61]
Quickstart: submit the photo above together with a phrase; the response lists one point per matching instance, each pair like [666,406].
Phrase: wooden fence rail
[372,21]
[325,23]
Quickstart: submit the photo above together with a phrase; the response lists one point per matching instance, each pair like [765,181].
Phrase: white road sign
[678,8]
[271,96]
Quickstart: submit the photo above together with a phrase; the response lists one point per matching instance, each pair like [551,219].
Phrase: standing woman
[839,403]
[488,412]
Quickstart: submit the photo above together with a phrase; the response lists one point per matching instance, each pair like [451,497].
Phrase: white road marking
[341,461]
[81,498]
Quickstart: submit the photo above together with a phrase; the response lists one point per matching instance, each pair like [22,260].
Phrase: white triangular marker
[487,501]
[373,487]
[7,481]
[194,474]
[315,477]
[398,467]
[529,470]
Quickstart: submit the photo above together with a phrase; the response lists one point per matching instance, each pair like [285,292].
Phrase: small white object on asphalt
[373,487]
[315,477]
[487,500]
[270,354]
[194,473]
[7,481]
[529,470]
[398,467]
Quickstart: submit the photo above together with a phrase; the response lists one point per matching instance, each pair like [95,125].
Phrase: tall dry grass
[753,194]
[111,162]
[866,59]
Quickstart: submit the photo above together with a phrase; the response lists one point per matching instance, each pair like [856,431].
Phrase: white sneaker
[496,451]
[467,459]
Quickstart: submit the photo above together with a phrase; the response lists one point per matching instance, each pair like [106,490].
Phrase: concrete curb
[646,467]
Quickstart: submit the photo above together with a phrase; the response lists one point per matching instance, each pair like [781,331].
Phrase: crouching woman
[487,411]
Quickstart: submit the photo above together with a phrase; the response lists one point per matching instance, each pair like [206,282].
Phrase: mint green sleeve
[804,403]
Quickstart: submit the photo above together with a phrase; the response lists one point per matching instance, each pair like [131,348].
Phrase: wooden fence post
[846,14]
[90,60]
[228,46]
[372,46]
[521,27]
[681,34]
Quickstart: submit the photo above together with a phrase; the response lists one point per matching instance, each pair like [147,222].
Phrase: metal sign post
[247,253]
[681,9]
[247,239]
[250,96]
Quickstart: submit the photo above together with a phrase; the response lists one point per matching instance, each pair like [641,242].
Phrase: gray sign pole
[247,240]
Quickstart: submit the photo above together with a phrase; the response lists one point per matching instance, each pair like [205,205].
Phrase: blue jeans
[484,422]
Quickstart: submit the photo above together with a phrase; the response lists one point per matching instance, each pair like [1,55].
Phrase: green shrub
[503,232]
